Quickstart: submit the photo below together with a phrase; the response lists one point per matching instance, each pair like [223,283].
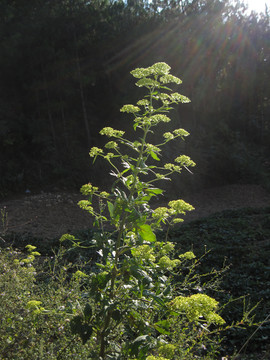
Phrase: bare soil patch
[51,214]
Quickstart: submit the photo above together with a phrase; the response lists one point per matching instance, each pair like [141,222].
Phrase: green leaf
[154,155]
[158,300]
[155,191]
[146,233]
[163,327]
[111,209]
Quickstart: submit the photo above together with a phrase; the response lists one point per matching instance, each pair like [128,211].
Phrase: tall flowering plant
[133,308]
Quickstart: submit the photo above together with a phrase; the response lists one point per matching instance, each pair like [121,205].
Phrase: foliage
[32,301]
[244,233]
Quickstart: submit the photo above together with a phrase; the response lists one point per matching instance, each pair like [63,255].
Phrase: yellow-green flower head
[180,132]
[166,79]
[166,263]
[140,73]
[184,160]
[109,155]
[160,68]
[161,176]
[143,102]
[189,255]
[175,97]
[30,248]
[168,135]
[197,306]
[88,189]
[130,109]
[147,83]
[180,206]
[86,205]
[95,151]
[156,119]
[109,131]
[111,145]
[167,350]
[172,167]
[33,304]
[151,147]
[164,96]
[104,194]
[168,247]
[160,213]
[144,252]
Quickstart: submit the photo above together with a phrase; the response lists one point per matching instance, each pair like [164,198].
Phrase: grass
[237,239]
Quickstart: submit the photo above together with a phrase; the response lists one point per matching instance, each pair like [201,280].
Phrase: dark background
[65,73]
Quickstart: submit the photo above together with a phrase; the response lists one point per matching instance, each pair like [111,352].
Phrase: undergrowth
[240,238]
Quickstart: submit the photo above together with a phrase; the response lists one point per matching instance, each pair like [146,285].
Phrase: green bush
[33,301]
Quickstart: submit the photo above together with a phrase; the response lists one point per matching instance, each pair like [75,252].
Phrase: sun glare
[257,5]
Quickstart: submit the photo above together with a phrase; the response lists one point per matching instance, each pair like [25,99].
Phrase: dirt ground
[51,214]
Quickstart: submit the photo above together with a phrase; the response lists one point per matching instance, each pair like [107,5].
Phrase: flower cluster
[156,119]
[111,145]
[130,109]
[34,306]
[189,255]
[88,189]
[151,147]
[144,252]
[176,97]
[166,263]
[147,83]
[168,135]
[180,206]
[180,132]
[143,102]
[172,167]
[197,306]
[110,132]
[159,68]
[95,151]
[161,213]
[166,79]
[184,160]
[86,205]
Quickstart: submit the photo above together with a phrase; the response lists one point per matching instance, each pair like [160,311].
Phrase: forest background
[64,75]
